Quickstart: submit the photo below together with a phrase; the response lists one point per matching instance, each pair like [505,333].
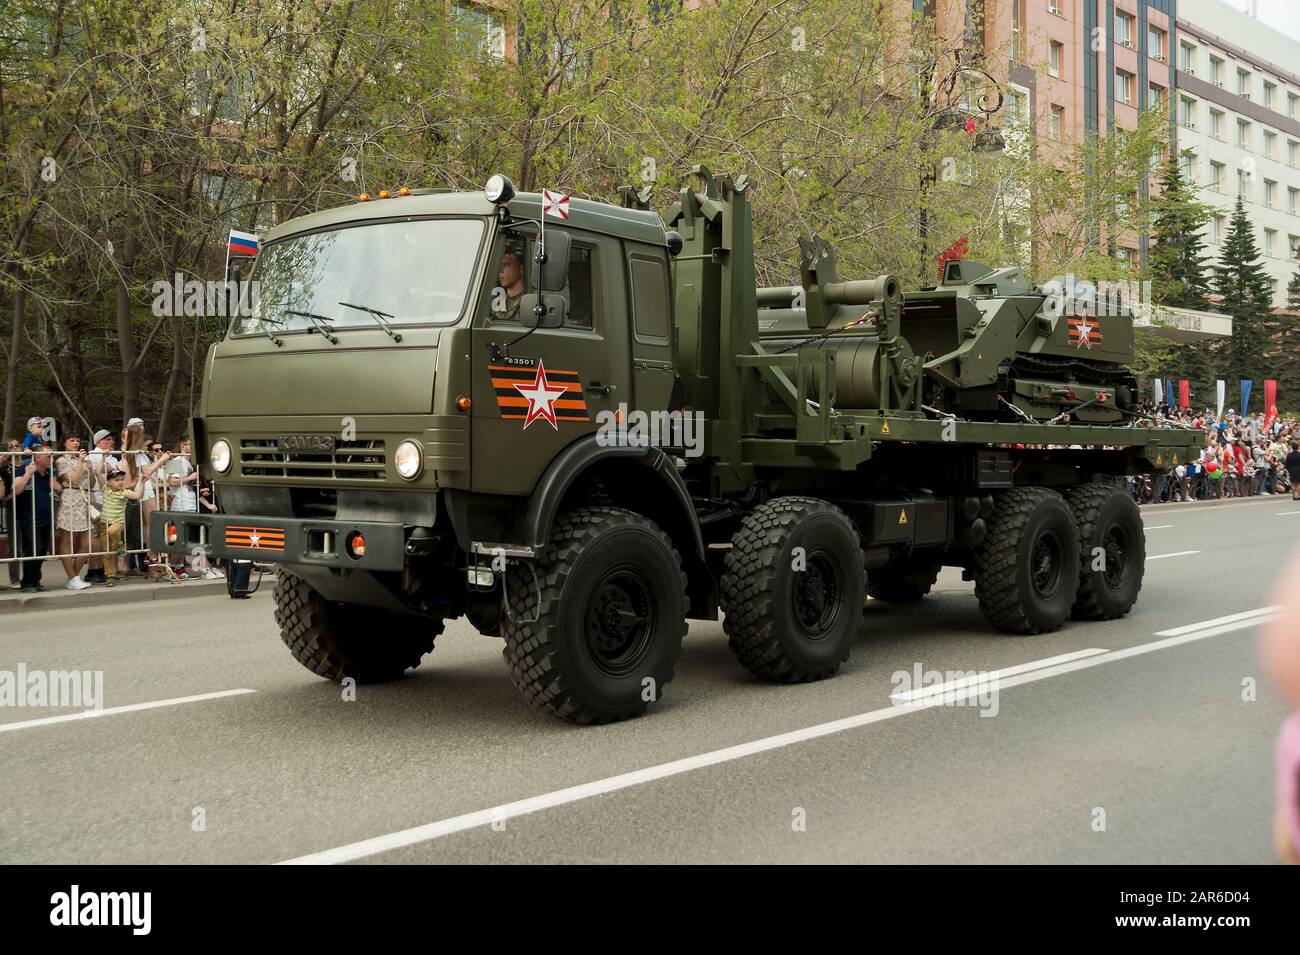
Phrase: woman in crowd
[73,519]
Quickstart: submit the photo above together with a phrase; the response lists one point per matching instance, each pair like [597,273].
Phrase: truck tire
[1110,527]
[1027,569]
[786,622]
[902,584]
[337,640]
[594,627]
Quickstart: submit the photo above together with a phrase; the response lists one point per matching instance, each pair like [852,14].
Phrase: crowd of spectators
[1241,456]
[91,507]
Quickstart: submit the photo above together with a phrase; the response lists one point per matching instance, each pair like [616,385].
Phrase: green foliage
[1242,285]
[170,122]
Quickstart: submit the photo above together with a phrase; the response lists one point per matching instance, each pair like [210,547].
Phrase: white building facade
[1237,113]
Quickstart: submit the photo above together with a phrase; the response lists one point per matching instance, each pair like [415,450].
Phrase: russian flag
[242,243]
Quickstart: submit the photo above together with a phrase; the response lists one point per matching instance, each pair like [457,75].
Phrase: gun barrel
[779,296]
[859,292]
[863,291]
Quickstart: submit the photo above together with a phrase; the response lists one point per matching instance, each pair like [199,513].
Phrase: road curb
[102,596]
[1219,502]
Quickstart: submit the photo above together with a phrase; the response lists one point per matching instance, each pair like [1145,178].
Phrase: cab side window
[579,291]
[516,276]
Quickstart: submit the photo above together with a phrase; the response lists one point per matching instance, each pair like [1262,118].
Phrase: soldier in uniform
[511,280]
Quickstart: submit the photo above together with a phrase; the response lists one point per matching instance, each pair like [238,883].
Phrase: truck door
[533,395]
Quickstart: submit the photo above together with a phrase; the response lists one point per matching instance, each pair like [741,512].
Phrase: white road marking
[1177,553]
[1284,513]
[1157,527]
[601,787]
[114,710]
[908,696]
[1245,615]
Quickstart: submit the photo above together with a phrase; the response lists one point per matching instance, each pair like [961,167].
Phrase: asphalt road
[1137,746]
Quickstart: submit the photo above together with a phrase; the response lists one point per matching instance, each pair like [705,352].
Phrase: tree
[1176,260]
[1244,295]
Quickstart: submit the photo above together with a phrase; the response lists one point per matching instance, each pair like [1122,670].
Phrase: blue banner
[1169,391]
[1245,394]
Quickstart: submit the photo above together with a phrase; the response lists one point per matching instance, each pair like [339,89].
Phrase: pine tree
[1244,290]
[1177,268]
[1176,264]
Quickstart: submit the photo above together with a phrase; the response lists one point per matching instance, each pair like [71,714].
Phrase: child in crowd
[112,518]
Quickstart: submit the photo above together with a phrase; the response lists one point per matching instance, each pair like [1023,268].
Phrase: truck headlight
[408,459]
[220,455]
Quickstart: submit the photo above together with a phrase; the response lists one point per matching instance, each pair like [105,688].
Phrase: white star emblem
[253,539]
[541,397]
[1085,332]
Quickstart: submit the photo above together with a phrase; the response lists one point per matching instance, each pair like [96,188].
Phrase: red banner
[1270,400]
[1184,395]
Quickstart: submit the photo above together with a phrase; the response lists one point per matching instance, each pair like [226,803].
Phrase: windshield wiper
[319,323]
[380,317]
[264,324]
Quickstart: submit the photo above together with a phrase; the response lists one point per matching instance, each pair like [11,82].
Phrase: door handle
[596,388]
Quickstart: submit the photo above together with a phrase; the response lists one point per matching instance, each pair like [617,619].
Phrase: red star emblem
[541,395]
[1084,328]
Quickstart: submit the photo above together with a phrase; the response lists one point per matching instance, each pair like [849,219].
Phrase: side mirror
[554,309]
[554,274]
[674,240]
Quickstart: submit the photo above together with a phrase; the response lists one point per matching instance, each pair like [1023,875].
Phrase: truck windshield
[414,272]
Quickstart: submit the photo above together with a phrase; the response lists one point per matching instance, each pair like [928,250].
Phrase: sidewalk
[127,590]
[1284,497]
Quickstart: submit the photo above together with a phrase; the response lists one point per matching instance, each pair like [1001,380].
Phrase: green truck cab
[579,427]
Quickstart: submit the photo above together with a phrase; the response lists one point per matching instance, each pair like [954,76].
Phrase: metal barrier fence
[52,505]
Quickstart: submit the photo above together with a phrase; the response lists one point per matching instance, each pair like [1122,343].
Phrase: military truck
[436,407]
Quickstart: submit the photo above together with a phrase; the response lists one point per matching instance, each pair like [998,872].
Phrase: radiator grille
[353,460]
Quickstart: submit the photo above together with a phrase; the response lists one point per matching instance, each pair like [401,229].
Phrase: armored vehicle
[579,425]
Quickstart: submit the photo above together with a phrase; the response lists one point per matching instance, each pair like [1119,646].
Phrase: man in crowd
[101,462]
[33,491]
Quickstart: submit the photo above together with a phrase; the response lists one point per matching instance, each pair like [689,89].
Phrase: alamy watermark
[977,688]
[660,429]
[1071,296]
[70,688]
[196,298]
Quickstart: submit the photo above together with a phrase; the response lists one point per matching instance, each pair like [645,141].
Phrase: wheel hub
[619,620]
[816,596]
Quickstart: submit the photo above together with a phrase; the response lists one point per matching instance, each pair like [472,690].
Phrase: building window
[1292,152]
[1216,176]
[1292,105]
[1270,140]
[1057,121]
[1054,50]
[1016,110]
[1155,96]
[1186,164]
[1272,289]
[1270,190]
[1216,229]
[1293,243]
[1186,112]
[1216,124]
[1243,83]
[1216,71]
[1243,185]
[1156,43]
[480,27]
[1269,92]
[1017,31]
[1291,194]
[1243,134]
[1187,58]
[1123,29]
[1270,240]
[1124,87]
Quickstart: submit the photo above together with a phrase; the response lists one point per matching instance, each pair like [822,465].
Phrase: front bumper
[278,540]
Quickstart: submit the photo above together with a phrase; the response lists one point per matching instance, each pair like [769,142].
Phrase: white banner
[1221,388]
[1160,391]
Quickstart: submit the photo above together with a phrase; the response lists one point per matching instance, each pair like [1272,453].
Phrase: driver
[511,279]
